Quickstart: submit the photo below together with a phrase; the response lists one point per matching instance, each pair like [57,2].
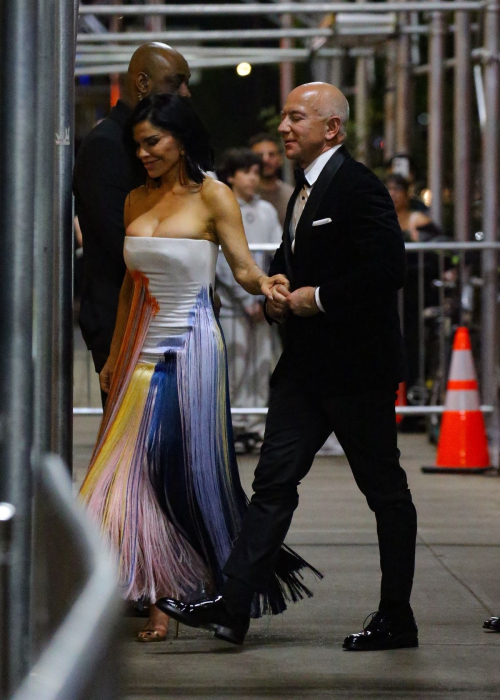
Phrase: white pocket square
[321,222]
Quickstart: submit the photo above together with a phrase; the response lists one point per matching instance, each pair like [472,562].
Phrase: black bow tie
[300,178]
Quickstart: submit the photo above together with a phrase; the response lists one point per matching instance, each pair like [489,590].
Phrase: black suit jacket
[358,261]
[104,175]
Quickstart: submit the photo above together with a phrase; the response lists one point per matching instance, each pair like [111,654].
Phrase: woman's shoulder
[139,193]
[211,187]
[138,198]
[215,193]
[136,204]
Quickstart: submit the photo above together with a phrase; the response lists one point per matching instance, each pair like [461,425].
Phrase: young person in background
[251,342]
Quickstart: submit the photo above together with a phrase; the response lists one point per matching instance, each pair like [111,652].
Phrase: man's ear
[332,128]
[230,180]
[143,84]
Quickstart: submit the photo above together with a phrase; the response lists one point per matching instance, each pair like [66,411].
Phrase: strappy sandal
[149,636]
[155,636]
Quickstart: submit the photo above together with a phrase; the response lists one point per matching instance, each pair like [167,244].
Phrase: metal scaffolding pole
[43,294]
[201,35]
[63,230]
[286,85]
[390,100]
[462,127]
[44,231]
[361,109]
[336,71]
[17,169]
[155,23]
[276,8]
[435,160]
[490,215]
[403,99]
[85,41]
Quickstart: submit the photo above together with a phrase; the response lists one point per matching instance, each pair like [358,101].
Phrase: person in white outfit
[252,344]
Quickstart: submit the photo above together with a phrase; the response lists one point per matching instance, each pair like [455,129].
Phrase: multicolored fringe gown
[163,481]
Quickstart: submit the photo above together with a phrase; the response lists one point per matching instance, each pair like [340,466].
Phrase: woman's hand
[267,284]
[106,375]
[278,308]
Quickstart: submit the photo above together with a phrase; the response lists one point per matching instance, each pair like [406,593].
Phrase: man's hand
[267,284]
[278,308]
[106,375]
[301,302]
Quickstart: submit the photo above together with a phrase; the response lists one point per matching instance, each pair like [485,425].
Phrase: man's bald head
[327,100]
[313,120]
[156,68]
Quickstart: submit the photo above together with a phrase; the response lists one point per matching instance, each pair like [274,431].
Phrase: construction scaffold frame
[38,46]
[361,32]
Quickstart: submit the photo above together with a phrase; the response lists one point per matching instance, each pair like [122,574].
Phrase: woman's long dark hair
[175,114]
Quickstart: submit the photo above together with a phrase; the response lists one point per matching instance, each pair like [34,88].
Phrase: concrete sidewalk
[299,655]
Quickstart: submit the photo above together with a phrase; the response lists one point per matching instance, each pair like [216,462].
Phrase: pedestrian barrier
[445,288]
[79,660]
[463,446]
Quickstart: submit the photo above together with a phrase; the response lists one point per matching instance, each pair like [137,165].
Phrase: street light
[243,69]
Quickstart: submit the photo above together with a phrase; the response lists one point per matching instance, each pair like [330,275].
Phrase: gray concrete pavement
[298,654]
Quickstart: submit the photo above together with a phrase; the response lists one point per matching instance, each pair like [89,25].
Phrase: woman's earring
[139,96]
[182,173]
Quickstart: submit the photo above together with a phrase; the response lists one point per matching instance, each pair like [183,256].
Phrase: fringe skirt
[163,482]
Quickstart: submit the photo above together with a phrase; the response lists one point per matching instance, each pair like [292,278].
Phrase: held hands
[301,302]
[277,307]
[106,375]
[268,283]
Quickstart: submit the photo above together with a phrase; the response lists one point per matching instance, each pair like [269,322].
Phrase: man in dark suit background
[103,177]
[343,254]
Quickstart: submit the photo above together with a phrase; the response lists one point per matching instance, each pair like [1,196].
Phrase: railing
[79,661]
[460,294]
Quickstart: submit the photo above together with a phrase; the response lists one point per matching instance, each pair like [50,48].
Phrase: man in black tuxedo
[343,254]
[103,177]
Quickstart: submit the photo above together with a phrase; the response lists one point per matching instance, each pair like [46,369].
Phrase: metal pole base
[457,470]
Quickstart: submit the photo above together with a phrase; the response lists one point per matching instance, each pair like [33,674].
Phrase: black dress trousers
[298,424]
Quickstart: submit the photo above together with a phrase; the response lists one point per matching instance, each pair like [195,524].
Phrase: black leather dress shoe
[492,624]
[210,614]
[384,632]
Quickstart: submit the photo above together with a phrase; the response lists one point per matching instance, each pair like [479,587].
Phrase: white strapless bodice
[178,271]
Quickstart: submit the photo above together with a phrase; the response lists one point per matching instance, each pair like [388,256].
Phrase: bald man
[103,177]
[343,254]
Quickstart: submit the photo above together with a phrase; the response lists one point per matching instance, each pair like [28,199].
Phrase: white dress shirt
[311,173]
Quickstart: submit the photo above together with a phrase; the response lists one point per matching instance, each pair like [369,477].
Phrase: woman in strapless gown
[163,481]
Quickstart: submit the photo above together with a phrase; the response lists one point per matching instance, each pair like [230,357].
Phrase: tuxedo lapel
[287,239]
[319,189]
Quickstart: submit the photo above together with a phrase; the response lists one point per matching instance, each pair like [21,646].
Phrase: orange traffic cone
[401,400]
[462,447]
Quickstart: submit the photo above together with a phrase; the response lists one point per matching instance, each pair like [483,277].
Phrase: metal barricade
[445,288]
[7,512]
[78,661]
